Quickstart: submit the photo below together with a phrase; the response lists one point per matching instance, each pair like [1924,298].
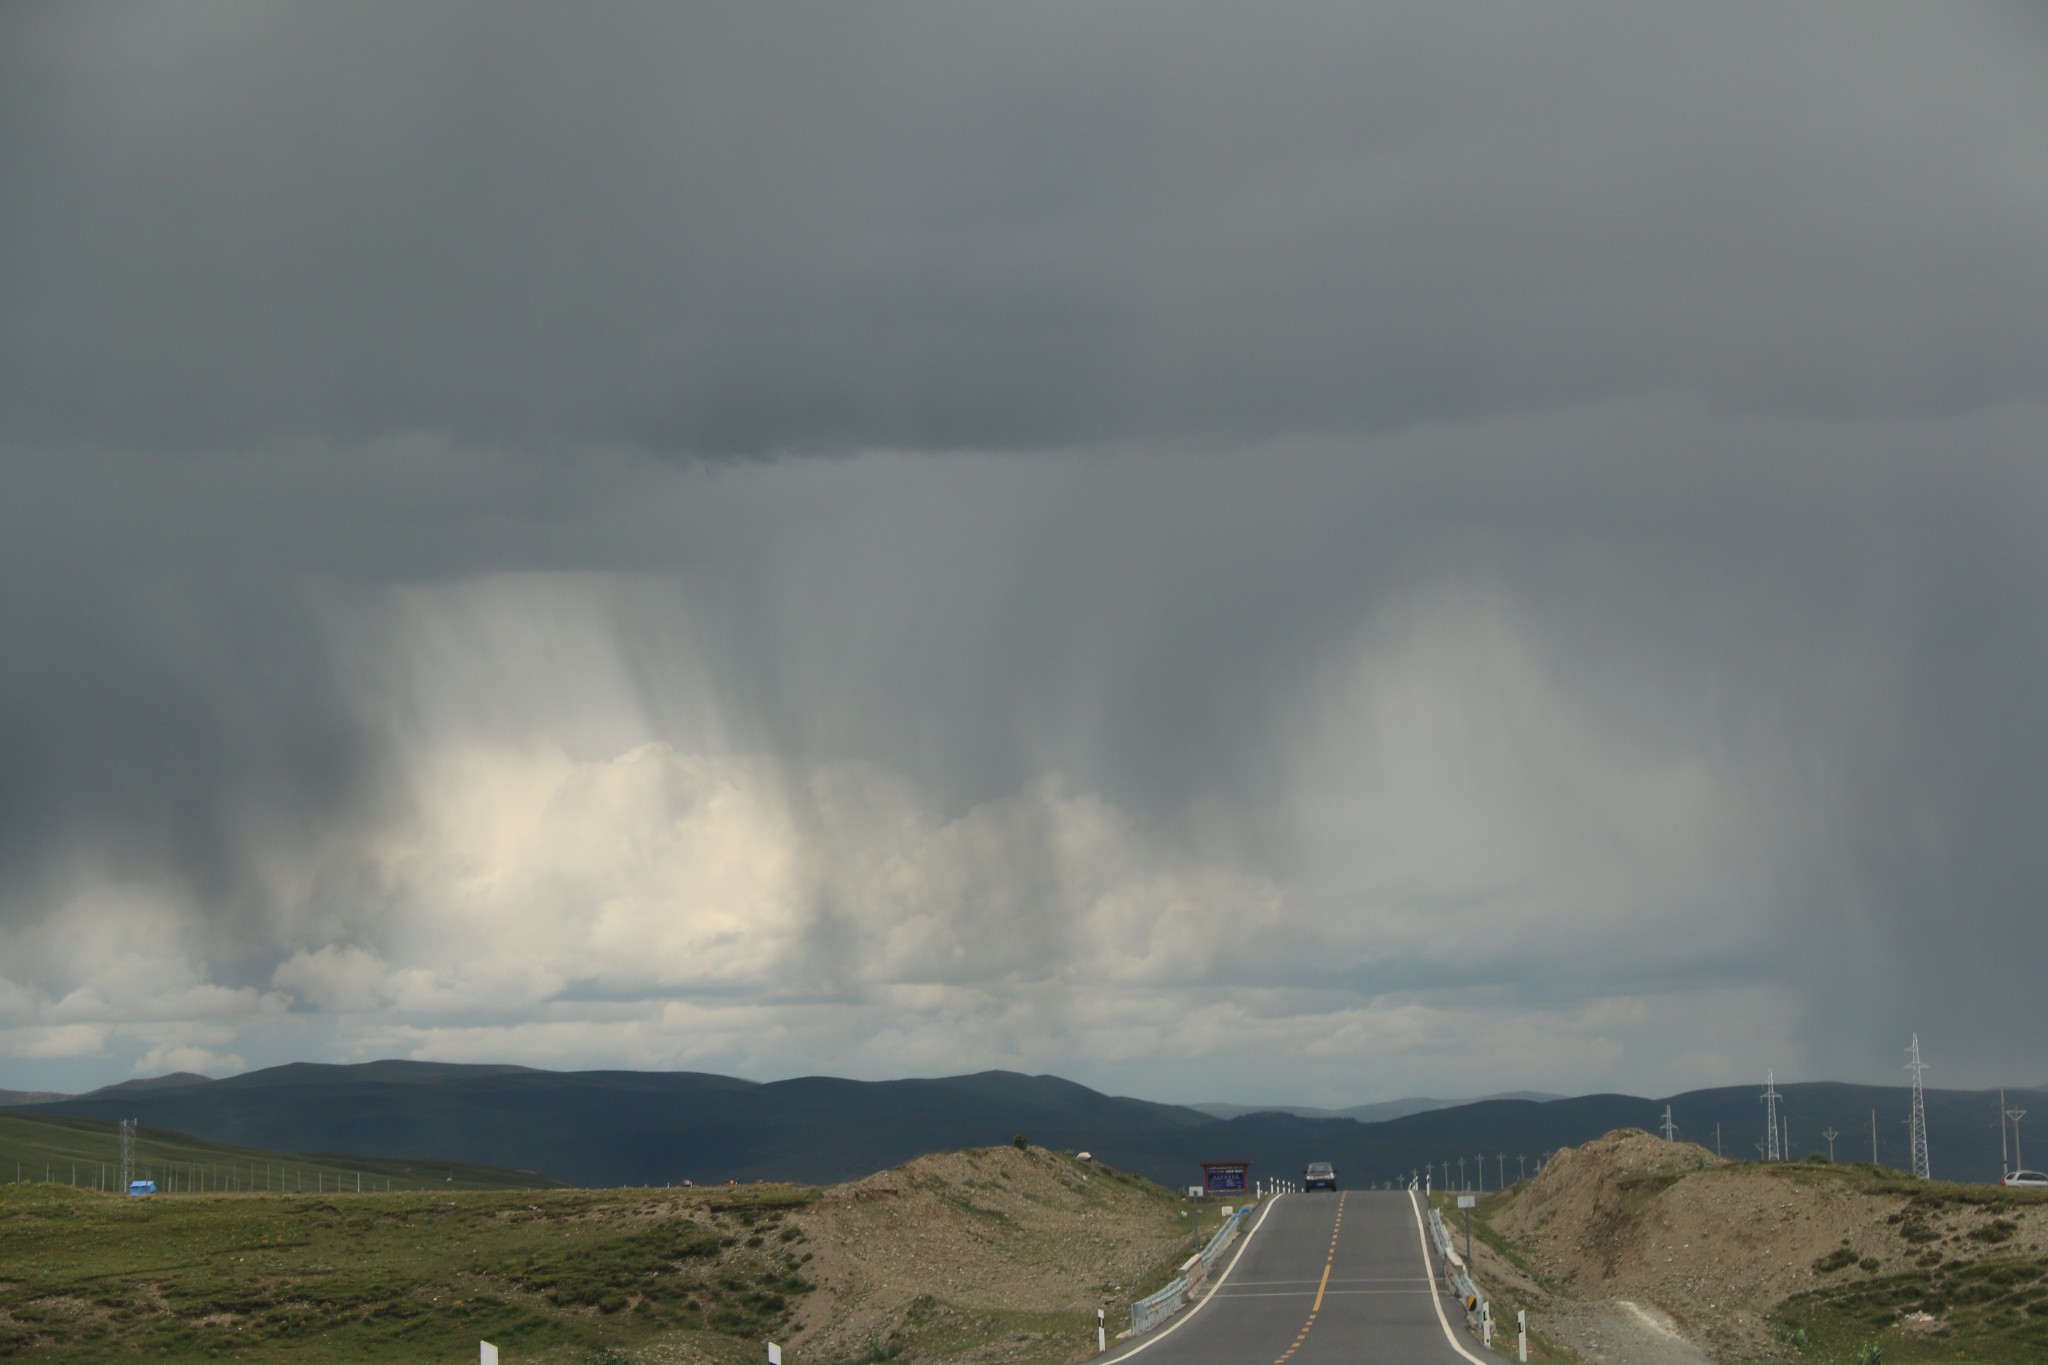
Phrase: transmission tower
[1770,1097]
[2019,1163]
[1830,1134]
[1919,1117]
[2004,1152]
[127,1154]
[1670,1128]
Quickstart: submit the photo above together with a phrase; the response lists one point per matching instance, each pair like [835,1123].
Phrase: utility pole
[1830,1134]
[1770,1099]
[1522,1166]
[1500,1167]
[1921,1167]
[2004,1158]
[2018,1162]
[1670,1128]
[1873,1137]
[1717,1138]
[1461,1175]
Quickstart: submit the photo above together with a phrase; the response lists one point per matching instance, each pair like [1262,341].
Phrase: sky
[1298,554]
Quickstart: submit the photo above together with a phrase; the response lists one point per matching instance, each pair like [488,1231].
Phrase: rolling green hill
[415,1275]
[604,1128]
[601,1128]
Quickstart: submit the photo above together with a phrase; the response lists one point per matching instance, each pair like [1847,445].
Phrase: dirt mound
[989,1254]
[1581,1209]
[1718,1244]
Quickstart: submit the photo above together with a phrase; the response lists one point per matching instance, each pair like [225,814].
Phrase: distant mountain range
[1363,1113]
[606,1128]
[10,1098]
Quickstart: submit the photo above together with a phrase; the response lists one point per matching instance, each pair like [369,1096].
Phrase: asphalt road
[1324,1279]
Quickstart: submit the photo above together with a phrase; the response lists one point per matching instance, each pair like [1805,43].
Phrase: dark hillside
[652,1128]
[634,1128]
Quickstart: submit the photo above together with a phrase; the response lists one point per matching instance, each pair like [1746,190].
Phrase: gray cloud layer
[701,228]
[1531,515]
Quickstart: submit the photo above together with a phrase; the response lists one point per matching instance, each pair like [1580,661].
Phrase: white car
[2026,1180]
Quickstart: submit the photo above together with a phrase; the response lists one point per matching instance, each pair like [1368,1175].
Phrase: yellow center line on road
[1317,1306]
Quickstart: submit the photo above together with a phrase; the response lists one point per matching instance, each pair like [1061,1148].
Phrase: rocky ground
[1635,1249]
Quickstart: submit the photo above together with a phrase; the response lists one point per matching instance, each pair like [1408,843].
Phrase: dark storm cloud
[1616,440]
[217,665]
[721,228]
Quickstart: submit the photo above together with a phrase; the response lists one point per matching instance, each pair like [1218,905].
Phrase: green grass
[933,1329]
[1984,1310]
[546,1275]
[86,1154]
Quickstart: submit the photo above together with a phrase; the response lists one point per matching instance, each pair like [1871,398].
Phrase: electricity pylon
[1770,1098]
[1830,1134]
[1919,1116]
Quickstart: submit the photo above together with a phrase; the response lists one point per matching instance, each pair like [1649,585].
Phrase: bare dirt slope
[1659,1228]
[991,1254]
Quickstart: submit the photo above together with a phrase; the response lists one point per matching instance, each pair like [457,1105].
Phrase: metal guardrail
[1154,1309]
[1225,1235]
[1454,1267]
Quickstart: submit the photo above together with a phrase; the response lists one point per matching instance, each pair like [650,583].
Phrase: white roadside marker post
[774,1354]
[1522,1326]
[1101,1333]
[486,1354]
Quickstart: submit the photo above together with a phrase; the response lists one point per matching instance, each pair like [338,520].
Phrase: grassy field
[548,1276]
[86,1154]
[1983,1303]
